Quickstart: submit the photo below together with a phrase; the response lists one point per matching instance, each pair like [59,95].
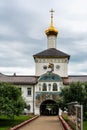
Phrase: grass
[65,117]
[85,125]
[6,123]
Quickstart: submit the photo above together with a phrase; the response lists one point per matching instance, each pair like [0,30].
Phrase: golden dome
[51,30]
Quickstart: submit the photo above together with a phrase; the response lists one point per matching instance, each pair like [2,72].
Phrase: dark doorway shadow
[49,108]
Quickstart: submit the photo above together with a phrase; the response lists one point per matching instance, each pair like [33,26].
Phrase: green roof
[50,77]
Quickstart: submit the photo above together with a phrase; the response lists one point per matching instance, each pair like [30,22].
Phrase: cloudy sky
[22,26]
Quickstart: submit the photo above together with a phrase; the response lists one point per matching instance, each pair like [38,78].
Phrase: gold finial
[51,30]
[52,11]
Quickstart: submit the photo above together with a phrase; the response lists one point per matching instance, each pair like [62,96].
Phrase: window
[39,88]
[44,67]
[57,67]
[29,91]
[54,87]
[49,87]
[44,87]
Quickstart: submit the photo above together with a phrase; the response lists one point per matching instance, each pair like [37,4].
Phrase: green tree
[11,101]
[76,91]
[84,101]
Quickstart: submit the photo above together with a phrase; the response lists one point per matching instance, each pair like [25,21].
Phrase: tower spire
[51,30]
[51,33]
[52,11]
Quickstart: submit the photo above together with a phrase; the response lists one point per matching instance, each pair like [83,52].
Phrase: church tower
[51,65]
[51,33]
[51,57]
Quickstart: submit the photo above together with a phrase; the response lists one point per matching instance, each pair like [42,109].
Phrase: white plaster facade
[51,41]
[62,63]
[28,98]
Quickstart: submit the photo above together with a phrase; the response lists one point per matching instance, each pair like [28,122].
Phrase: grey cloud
[26,21]
[19,54]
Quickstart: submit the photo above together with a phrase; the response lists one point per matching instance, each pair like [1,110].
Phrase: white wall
[27,98]
[51,41]
[62,71]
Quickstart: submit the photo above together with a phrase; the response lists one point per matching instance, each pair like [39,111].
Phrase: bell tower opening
[49,108]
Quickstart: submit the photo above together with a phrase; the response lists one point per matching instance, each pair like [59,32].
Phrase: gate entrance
[49,107]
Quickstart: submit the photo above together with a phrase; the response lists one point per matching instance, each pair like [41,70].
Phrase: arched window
[49,85]
[44,88]
[54,87]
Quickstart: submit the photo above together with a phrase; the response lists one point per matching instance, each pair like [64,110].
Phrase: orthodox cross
[52,11]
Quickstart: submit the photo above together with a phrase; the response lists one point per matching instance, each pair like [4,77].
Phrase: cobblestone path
[44,123]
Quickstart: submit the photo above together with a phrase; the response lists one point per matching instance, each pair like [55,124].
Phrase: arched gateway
[47,94]
[49,107]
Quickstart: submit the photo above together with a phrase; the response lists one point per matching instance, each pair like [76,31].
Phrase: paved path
[44,123]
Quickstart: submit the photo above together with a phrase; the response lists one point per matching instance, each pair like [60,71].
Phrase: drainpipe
[33,97]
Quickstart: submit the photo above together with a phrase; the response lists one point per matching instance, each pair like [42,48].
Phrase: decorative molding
[51,60]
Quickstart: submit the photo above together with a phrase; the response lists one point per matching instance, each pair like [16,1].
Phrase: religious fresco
[42,96]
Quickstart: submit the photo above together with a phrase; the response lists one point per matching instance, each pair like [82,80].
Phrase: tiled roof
[76,78]
[32,80]
[65,80]
[51,52]
[28,80]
